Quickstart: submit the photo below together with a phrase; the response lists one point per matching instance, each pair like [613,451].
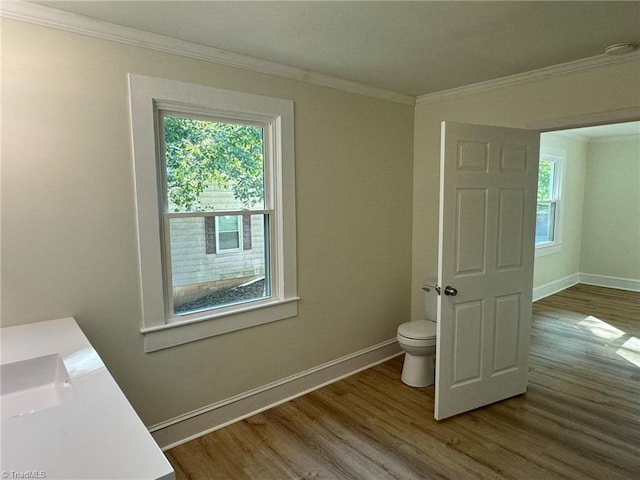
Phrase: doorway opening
[588,212]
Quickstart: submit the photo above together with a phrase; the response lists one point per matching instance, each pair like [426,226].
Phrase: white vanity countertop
[96,435]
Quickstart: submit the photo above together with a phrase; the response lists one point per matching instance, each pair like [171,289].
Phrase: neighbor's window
[548,209]
[228,234]
[216,219]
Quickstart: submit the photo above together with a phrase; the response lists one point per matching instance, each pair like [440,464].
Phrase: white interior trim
[197,423]
[551,249]
[554,287]
[583,139]
[608,281]
[72,22]
[147,94]
[588,279]
[533,75]
[617,138]
[587,120]
[572,136]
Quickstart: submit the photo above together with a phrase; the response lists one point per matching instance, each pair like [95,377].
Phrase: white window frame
[558,157]
[147,95]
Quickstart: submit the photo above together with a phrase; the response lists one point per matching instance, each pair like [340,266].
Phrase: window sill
[548,249]
[180,332]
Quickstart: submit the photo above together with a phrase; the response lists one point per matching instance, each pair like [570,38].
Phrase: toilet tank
[430,299]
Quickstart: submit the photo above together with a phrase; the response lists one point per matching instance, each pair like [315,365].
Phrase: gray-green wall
[611,214]
[69,243]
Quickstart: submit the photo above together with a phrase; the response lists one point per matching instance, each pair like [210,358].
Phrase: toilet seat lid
[418,330]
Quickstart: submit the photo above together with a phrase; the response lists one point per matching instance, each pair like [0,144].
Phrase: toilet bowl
[418,340]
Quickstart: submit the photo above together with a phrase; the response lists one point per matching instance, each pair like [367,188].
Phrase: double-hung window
[212,173]
[215,203]
[549,206]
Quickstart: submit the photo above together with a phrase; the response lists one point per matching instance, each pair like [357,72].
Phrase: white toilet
[418,340]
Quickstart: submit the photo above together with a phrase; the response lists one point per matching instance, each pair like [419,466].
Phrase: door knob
[448,290]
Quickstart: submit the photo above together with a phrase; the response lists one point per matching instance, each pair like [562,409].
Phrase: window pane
[212,165]
[546,175]
[229,241]
[202,281]
[545,221]
[228,223]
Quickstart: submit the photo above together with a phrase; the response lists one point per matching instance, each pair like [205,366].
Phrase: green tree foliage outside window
[545,180]
[199,153]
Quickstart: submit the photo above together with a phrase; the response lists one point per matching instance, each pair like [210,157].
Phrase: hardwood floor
[580,417]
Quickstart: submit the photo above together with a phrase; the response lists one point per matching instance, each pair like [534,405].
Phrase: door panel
[466,358]
[470,220]
[510,228]
[473,156]
[486,247]
[513,159]
[506,332]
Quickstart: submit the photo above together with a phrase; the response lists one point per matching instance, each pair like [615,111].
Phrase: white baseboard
[191,425]
[588,279]
[194,424]
[610,282]
[554,287]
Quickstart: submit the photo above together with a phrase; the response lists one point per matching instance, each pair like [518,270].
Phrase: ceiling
[413,48]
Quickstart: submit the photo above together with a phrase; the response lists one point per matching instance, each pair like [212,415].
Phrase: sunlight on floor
[601,329]
[630,349]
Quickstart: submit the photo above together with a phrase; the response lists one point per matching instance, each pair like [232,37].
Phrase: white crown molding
[571,136]
[585,139]
[630,114]
[70,22]
[616,138]
[533,75]
[58,19]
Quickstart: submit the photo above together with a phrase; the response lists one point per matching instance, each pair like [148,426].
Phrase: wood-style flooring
[579,419]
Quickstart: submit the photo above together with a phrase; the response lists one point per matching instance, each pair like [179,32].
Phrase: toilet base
[418,371]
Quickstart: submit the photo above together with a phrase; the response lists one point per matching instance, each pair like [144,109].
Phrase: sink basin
[62,412]
[35,384]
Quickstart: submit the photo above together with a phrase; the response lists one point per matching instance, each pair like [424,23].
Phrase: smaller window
[224,235]
[548,211]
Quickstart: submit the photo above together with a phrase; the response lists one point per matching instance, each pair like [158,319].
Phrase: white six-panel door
[488,185]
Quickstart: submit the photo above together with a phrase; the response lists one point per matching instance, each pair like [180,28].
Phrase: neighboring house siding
[194,271]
